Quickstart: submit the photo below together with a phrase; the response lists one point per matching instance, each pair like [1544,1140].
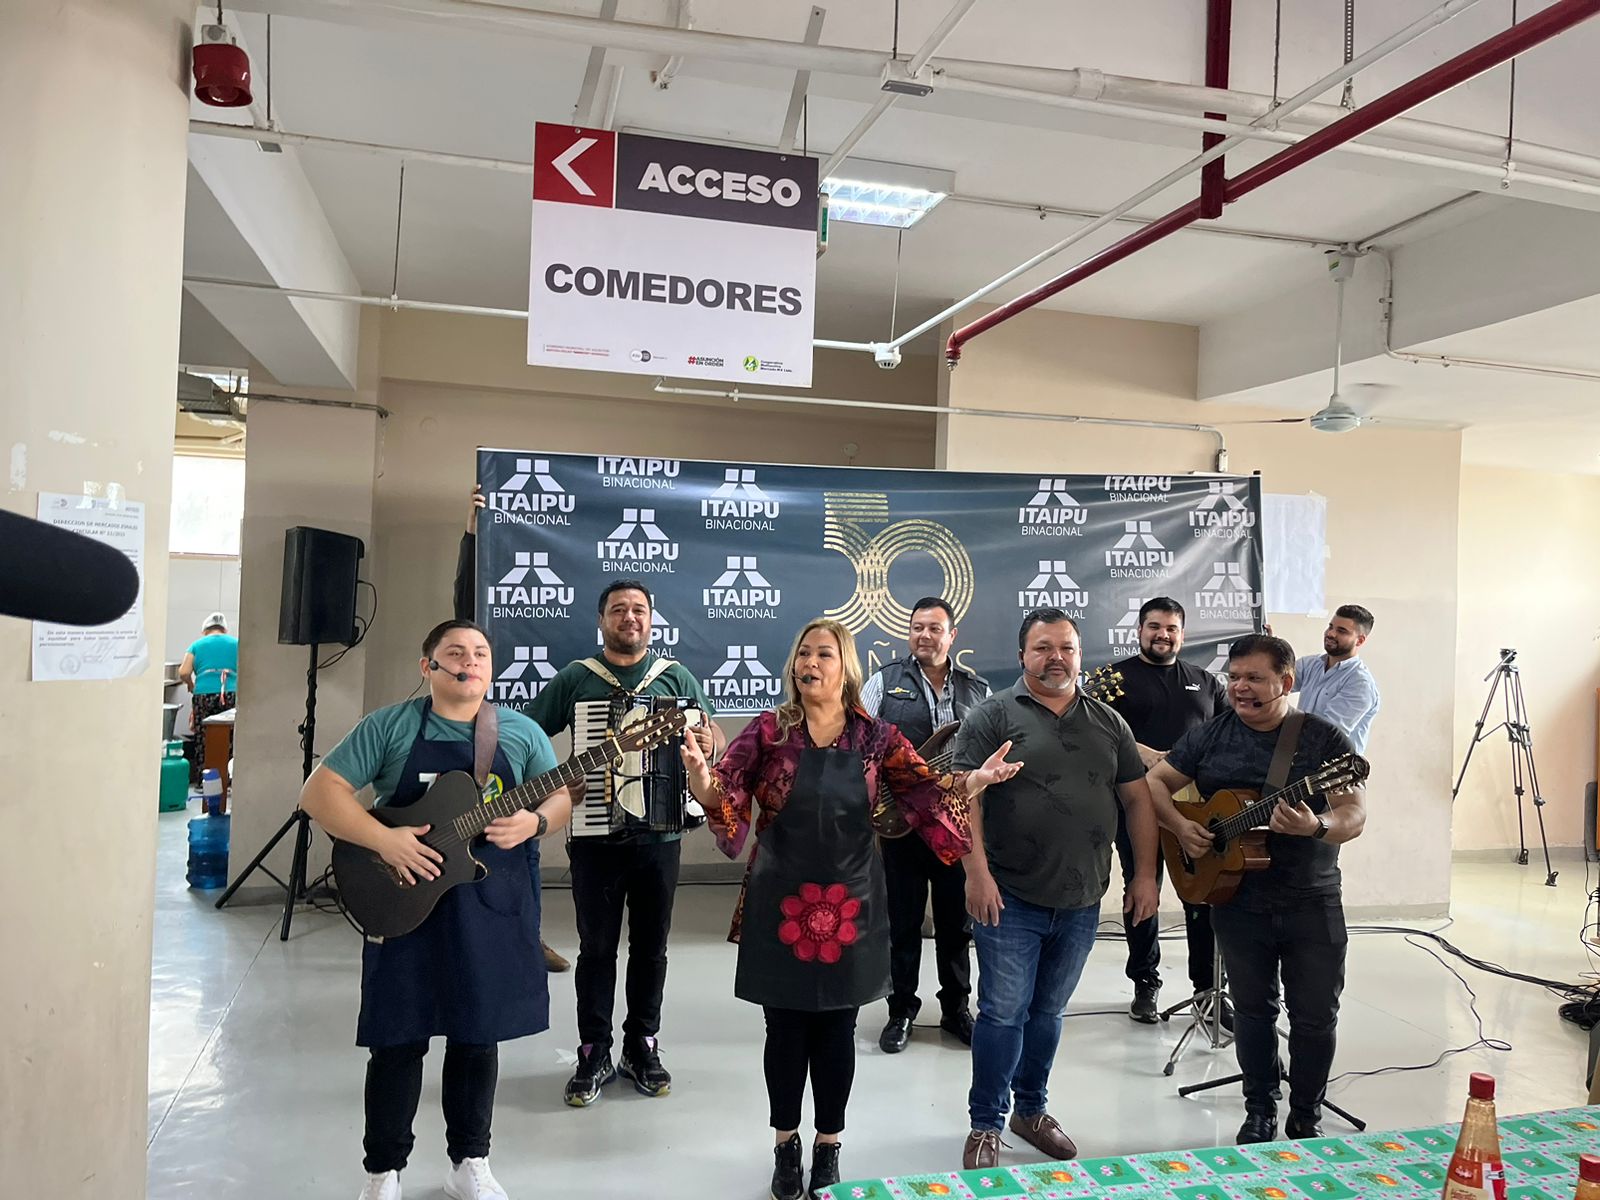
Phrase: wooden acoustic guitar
[1102,683]
[384,905]
[1236,818]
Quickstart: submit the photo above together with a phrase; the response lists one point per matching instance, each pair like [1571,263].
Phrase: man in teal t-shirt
[639,870]
[470,972]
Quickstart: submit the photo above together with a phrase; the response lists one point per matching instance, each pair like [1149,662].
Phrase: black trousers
[1144,948]
[910,870]
[1305,944]
[821,1044]
[394,1086]
[605,877]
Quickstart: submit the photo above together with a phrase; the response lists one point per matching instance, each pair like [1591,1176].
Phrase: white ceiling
[464,234]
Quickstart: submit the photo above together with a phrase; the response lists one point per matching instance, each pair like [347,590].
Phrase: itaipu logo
[1138,553]
[531,496]
[1125,633]
[1053,511]
[739,502]
[743,683]
[545,596]
[1052,587]
[742,591]
[1228,592]
[1221,513]
[523,678]
[1157,488]
[1218,665]
[645,474]
[637,544]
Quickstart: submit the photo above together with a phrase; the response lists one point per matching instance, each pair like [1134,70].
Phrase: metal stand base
[1354,1121]
[1205,1009]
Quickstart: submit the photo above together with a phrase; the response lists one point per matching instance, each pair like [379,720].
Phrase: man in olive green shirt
[636,869]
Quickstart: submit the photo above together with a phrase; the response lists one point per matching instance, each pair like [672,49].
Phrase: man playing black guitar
[918,694]
[1288,917]
[472,972]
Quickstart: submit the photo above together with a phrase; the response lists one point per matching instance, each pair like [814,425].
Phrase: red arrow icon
[572,165]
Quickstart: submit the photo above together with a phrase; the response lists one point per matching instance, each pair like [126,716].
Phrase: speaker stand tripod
[1519,733]
[294,888]
[1205,1009]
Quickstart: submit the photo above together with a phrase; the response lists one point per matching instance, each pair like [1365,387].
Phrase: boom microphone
[50,574]
[461,676]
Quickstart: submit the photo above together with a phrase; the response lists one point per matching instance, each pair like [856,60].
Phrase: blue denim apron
[473,971]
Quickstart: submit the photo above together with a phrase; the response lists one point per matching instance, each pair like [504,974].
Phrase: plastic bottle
[208,852]
[174,778]
[1588,1178]
[1476,1170]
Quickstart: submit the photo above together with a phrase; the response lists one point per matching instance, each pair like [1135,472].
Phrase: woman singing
[812,922]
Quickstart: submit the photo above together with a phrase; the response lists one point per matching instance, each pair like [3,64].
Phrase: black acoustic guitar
[939,751]
[384,905]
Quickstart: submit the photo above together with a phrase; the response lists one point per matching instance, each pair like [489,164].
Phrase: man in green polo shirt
[636,869]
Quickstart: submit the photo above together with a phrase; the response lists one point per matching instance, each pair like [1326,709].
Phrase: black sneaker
[595,1070]
[641,1062]
[1143,1008]
[824,1167]
[787,1183]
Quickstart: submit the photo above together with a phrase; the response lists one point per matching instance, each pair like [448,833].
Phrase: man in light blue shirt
[1336,684]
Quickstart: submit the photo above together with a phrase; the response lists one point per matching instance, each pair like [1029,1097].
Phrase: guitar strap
[485,739]
[1283,752]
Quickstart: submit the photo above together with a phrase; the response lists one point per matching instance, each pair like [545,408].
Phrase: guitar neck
[1260,812]
[529,795]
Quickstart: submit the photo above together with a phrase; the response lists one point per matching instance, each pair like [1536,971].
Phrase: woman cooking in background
[812,921]
[210,668]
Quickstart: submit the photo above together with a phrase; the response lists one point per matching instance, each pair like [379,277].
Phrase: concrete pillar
[93,129]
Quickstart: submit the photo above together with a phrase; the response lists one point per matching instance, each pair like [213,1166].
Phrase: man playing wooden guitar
[471,972]
[1287,917]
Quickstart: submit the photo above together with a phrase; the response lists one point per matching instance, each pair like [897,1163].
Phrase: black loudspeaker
[319,587]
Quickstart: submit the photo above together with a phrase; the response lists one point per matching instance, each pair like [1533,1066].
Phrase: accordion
[644,792]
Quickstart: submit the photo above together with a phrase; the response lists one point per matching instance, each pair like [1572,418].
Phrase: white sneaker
[382,1187]
[472,1180]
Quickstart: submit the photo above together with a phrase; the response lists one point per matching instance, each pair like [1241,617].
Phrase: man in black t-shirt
[1288,917]
[1163,698]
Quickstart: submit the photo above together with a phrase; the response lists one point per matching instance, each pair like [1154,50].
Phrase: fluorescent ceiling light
[868,203]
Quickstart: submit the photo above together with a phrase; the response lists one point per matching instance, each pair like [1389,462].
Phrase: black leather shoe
[1301,1128]
[1257,1127]
[1143,1008]
[824,1167]
[787,1181]
[958,1024]
[895,1035]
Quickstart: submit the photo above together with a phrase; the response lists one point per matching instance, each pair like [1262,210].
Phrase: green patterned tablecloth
[1541,1156]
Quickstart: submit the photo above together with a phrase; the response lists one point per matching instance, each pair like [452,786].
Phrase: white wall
[196,588]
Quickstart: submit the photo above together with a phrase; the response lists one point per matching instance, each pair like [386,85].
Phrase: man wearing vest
[639,870]
[919,693]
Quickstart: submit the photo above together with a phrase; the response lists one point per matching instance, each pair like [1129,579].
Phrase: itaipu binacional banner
[739,556]
[659,257]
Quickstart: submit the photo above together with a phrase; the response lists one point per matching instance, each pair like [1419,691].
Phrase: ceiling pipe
[1128,92]
[1524,35]
[1165,225]
[1386,325]
[1219,35]
[1219,459]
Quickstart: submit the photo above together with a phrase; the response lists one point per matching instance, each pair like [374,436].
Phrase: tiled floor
[255,1085]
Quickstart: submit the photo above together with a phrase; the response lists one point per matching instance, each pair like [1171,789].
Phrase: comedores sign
[660,257]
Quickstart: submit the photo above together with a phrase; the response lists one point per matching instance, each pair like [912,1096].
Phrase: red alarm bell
[221,70]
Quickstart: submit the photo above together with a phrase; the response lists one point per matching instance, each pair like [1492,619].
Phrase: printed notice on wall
[1294,532]
[117,648]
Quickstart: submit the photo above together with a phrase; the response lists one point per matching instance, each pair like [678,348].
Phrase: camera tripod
[1524,774]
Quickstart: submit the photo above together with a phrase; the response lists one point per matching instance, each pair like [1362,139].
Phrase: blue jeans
[1028,966]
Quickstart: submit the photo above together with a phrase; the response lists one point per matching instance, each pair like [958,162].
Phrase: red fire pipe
[1219,33]
[1509,43]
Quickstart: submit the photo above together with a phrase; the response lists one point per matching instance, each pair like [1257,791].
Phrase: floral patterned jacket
[758,771]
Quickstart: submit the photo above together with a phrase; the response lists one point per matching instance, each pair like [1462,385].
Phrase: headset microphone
[461,676]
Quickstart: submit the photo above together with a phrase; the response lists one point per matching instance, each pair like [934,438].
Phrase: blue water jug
[208,852]
[211,790]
